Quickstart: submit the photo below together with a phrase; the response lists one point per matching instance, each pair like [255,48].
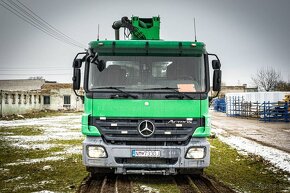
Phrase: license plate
[140,153]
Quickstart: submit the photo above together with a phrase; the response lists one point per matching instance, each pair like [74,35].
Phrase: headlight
[195,153]
[96,152]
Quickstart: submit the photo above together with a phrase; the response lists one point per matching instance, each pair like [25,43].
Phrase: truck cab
[145,102]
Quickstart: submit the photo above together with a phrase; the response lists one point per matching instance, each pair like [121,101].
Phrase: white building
[60,96]
[24,96]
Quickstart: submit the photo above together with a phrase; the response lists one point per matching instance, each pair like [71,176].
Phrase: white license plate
[140,153]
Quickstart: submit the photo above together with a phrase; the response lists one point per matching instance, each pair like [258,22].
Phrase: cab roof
[147,47]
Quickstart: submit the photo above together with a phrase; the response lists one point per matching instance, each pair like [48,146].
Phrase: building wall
[19,102]
[22,84]
[57,100]
[234,89]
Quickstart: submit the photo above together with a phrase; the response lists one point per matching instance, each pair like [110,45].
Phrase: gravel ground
[273,134]
[268,140]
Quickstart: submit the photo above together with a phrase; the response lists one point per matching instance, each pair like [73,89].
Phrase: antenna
[194,30]
[98,32]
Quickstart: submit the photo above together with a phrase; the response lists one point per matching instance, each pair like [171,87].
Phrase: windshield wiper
[126,94]
[180,94]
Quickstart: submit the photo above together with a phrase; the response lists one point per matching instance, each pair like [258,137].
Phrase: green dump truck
[145,102]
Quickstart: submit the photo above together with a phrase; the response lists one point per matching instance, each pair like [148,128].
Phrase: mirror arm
[77,94]
[214,56]
[217,93]
[209,54]
[82,60]
[80,53]
[94,59]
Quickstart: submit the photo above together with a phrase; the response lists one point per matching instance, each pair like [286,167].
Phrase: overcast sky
[245,34]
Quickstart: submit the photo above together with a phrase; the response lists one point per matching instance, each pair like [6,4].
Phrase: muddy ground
[44,155]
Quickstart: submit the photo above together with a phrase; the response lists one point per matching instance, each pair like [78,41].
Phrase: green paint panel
[201,132]
[90,131]
[138,108]
[151,47]
[204,131]
[150,28]
[155,108]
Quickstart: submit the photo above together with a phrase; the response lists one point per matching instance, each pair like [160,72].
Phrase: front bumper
[121,160]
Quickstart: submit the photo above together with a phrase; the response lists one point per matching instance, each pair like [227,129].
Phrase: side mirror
[216,64]
[217,80]
[101,65]
[77,63]
[76,79]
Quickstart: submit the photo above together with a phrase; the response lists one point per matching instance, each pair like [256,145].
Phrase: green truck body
[145,102]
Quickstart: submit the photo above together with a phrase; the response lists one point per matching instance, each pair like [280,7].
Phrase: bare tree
[266,78]
[282,86]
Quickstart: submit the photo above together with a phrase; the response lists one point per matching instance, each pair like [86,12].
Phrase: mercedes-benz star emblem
[146,128]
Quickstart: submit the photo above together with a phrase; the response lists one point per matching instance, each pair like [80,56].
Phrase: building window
[19,98]
[30,99]
[46,100]
[13,98]
[34,99]
[6,98]
[66,100]
[25,99]
[39,99]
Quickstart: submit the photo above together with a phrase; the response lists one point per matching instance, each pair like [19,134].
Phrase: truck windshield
[142,73]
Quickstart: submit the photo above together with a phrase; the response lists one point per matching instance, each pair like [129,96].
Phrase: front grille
[168,161]
[149,143]
[125,130]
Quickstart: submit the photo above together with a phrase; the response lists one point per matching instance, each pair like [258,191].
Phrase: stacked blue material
[219,105]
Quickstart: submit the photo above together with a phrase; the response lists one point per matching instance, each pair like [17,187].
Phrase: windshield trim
[90,92]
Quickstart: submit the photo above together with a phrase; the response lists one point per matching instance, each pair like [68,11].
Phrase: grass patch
[63,176]
[67,142]
[245,173]
[21,130]
[11,154]
[37,114]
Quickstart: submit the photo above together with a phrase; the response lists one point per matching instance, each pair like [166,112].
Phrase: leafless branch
[266,78]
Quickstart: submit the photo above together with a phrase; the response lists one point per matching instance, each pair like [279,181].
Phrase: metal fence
[237,106]
[265,111]
[275,112]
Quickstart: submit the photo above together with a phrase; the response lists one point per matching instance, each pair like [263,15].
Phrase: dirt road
[272,134]
[127,183]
